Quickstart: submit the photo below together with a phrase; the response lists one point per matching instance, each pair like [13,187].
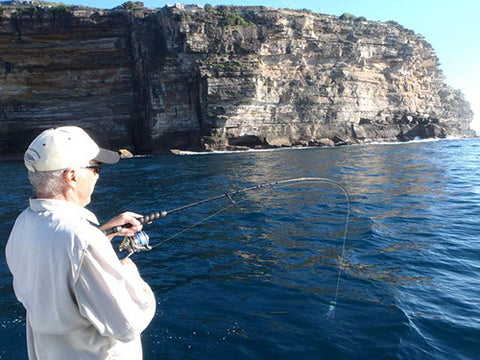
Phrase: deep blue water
[256,281]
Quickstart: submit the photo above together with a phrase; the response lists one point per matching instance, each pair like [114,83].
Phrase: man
[81,301]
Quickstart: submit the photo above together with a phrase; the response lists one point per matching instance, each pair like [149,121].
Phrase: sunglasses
[96,168]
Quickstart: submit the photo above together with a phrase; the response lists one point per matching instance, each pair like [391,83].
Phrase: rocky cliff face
[218,78]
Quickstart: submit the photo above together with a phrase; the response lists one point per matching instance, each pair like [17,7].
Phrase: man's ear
[70,176]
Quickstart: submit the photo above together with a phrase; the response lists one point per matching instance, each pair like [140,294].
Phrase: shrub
[61,13]
[131,5]
[181,17]
[47,3]
[347,16]
[29,11]
[308,11]
[234,20]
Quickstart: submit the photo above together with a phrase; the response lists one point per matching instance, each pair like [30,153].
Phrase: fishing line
[197,223]
[233,203]
[140,241]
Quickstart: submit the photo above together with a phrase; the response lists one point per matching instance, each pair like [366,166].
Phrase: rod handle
[143,220]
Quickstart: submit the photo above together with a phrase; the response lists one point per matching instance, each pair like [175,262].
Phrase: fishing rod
[140,240]
[162,214]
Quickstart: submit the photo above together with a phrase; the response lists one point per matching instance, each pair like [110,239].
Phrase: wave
[218,152]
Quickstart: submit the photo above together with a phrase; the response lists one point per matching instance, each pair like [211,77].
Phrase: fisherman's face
[87,178]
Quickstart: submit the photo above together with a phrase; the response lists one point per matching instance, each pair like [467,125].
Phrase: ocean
[256,278]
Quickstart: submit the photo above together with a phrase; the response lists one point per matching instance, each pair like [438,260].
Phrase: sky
[451,27]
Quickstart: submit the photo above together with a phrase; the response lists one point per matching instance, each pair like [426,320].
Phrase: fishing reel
[135,243]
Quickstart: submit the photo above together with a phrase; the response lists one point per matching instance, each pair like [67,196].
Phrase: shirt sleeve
[112,296]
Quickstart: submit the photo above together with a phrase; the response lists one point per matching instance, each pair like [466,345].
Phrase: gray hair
[47,184]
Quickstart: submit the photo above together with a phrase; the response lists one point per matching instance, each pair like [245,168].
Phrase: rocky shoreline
[218,78]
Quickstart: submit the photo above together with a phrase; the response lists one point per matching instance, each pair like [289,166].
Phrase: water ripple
[257,280]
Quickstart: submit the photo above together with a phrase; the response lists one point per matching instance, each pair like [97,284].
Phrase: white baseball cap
[65,147]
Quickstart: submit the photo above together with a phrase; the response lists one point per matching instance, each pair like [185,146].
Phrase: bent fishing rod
[162,214]
[140,240]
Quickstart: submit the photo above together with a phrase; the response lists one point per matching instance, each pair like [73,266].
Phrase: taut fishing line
[140,241]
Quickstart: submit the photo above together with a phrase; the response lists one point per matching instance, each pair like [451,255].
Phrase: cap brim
[107,157]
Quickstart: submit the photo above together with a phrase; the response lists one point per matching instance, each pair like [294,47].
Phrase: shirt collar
[64,206]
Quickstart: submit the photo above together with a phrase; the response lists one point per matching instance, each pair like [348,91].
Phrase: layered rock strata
[218,78]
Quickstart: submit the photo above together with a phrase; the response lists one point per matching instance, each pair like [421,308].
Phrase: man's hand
[128,262]
[122,219]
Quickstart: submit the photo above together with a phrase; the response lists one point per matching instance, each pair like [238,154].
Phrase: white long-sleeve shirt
[81,302]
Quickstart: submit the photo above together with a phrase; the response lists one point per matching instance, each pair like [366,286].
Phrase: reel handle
[143,220]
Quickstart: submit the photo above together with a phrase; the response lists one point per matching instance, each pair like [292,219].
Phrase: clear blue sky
[451,27]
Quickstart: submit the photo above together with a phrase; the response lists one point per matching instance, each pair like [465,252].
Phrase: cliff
[218,78]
